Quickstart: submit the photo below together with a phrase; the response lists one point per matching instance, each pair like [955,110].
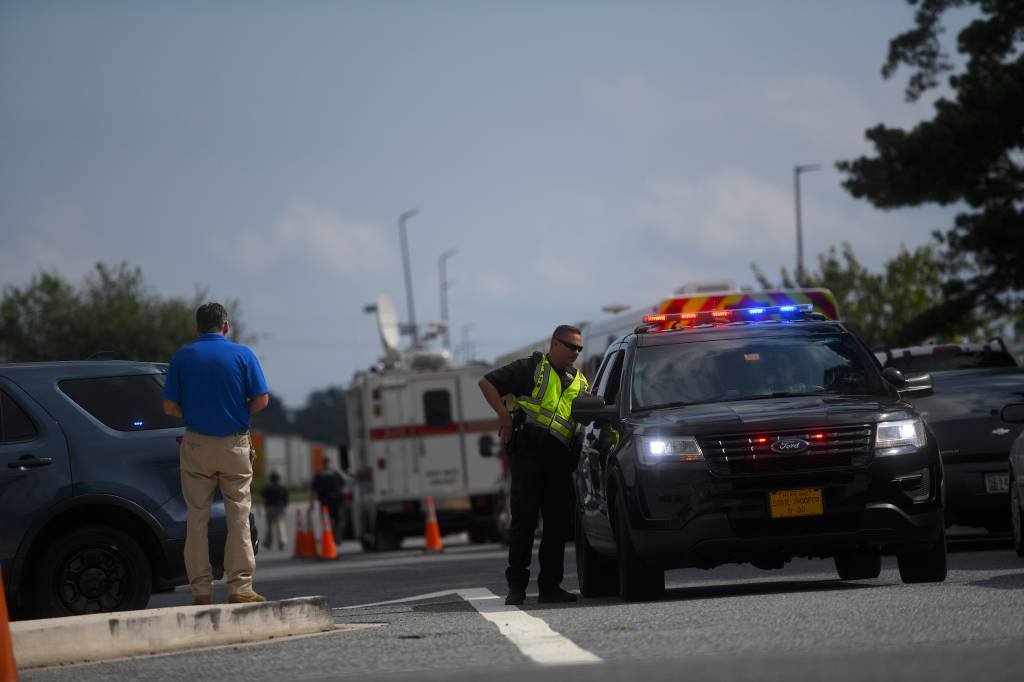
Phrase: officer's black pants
[540,482]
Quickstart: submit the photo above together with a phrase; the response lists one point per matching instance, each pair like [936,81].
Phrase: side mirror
[486,445]
[589,408]
[916,385]
[1013,413]
[894,377]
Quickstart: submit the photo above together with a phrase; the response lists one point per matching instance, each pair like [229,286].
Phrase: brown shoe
[249,597]
[201,601]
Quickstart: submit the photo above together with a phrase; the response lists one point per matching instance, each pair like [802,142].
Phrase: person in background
[215,385]
[275,501]
[329,487]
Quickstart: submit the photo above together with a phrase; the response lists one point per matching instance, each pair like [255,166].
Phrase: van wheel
[926,565]
[94,569]
[637,580]
[858,564]
[598,576]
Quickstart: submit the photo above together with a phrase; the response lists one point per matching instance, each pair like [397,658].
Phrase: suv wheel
[637,581]
[858,564]
[1017,518]
[91,570]
[598,576]
[925,565]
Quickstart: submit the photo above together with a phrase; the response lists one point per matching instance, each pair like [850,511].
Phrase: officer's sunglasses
[570,346]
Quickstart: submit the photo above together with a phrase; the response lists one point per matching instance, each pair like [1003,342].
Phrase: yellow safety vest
[548,406]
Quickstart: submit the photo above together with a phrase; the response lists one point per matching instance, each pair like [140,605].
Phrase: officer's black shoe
[516,596]
[556,596]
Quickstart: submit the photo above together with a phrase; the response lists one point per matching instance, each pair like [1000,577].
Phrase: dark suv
[755,436]
[90,492]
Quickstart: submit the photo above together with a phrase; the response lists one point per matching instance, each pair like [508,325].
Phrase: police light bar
[788,311]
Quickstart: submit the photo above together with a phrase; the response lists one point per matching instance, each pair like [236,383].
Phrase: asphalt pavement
[733,622]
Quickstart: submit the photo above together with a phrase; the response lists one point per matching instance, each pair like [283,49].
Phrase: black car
[755,436]
[971,384]
[90,488]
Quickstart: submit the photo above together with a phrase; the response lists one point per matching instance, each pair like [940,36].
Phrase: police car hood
[776,414]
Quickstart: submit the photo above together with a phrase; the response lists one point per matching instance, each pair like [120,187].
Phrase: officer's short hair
[565,329]
[210,317]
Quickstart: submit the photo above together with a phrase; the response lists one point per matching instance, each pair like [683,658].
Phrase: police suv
[751,435]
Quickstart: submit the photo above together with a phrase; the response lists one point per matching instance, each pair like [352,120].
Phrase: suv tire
[924,565]
[858,564]
[92,569]
[637,581]
[1017,519]
[598,576]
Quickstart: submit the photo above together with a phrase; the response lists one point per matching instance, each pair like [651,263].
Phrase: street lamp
[797,170]
[408,280]
[443,278]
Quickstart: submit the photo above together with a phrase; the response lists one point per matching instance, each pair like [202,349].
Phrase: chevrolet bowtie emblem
[1000,431]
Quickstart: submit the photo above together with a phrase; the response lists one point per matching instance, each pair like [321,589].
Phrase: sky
[575,153]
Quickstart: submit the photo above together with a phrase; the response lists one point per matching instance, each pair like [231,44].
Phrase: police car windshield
[750,368]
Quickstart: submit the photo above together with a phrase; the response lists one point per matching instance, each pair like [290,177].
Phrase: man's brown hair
[565,329]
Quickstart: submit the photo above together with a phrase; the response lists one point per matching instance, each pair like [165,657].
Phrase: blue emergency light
[729,315]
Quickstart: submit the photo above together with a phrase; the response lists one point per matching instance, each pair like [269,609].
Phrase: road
[730,623]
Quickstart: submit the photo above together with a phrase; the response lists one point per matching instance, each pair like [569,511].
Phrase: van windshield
[748,368]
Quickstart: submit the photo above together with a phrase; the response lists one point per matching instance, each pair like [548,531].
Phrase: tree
[113,312]
[886,308]
[971,153]
[323,417]
[274,419]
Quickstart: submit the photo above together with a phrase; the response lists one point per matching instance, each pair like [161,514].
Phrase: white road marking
[531,635]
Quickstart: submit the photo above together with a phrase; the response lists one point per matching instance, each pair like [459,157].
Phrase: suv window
[15,425]
[125,403]
[746,368]
[609,387]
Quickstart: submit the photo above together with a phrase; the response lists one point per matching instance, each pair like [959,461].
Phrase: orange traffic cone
[327,549]
[308,539]
[8,673]
[301,550]
[432,532]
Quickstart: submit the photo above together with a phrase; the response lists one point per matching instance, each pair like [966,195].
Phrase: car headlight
[898,434]
[654,449]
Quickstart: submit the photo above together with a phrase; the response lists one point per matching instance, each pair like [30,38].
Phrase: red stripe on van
[421,431]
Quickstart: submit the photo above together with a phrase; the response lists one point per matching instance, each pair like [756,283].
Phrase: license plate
[805,502]
[997,483]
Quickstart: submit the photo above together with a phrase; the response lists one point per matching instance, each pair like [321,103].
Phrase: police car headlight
[654,449]
[900,434]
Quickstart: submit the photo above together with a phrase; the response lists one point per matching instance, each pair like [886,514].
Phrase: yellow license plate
[805,502]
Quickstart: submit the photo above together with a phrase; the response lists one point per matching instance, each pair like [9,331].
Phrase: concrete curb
[103,636]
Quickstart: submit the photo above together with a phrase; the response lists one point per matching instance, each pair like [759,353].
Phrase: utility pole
[408,278]
[797,170]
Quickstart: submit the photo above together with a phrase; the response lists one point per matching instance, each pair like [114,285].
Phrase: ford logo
[789,446]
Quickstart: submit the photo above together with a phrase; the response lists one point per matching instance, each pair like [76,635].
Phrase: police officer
[544,387]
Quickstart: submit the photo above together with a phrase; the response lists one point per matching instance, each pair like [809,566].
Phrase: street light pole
[408,279]
[443,277]
[797,170]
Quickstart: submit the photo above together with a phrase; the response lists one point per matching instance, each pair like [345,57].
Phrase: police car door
[601,442]
[438,449]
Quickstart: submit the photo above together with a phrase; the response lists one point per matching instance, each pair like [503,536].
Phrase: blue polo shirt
[212,379]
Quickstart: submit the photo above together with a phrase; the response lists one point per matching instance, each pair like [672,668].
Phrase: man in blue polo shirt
[214,385]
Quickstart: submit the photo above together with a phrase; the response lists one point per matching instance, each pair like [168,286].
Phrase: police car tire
[637,581]
[924,566]
[1017,518]
[99,557]
[858,565]
[598,576]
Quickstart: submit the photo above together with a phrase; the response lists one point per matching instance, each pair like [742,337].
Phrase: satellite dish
[387,325]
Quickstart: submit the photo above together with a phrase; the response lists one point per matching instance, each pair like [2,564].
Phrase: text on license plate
[804,502]
[997,483]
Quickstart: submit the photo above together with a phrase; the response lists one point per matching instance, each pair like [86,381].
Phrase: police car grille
[751,453]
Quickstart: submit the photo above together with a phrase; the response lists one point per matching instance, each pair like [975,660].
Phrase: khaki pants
[206,463]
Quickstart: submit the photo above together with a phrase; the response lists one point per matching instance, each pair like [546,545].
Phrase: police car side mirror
[589,408]
[894,377]
[914,385]
[1013,413]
